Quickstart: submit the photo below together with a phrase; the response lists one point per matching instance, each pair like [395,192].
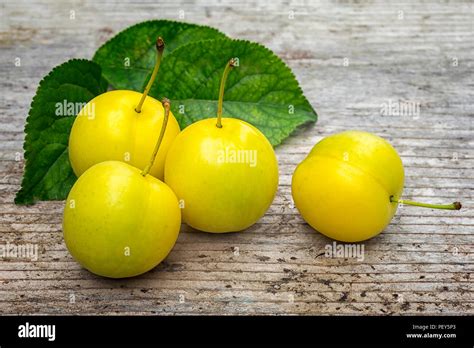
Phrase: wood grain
[351,58]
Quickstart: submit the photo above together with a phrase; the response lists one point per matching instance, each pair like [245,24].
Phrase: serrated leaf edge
[28,126]
[167,21]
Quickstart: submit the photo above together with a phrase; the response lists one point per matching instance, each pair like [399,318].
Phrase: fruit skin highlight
[119,221]
[219,194]
[117,132]
[121,125]
[343,188]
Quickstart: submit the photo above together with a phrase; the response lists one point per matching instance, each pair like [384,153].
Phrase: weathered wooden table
[357,63]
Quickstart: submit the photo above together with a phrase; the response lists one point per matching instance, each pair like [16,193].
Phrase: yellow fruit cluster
[123,215]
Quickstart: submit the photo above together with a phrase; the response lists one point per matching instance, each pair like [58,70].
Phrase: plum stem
[166,106]
[160,46]
[452,206]
[227,69]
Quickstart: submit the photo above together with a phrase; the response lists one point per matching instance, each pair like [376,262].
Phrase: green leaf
[262,90]
[128,58]
[48,174]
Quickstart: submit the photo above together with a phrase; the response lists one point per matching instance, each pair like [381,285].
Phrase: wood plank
[421,264]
